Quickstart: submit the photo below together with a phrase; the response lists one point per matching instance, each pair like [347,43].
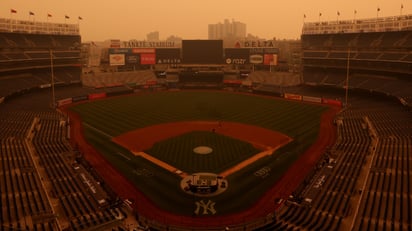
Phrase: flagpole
[400,17]
[10,24]
[377,13]
[320,14]
[337,17]
[47,22]
[400,14]
[377,18]
[29,22]
[354,16]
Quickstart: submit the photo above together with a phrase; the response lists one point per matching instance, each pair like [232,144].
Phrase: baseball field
[145,147]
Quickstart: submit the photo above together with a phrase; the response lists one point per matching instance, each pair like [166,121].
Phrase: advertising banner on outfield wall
[97,95]
[151,82]
[64,102]
[311,99]
[293,96]
[232,81]
[47,85]
[247,83]
[80,98]
[117,59]
[332,102]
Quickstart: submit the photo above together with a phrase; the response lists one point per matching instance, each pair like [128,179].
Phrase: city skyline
[127,19]
[227,29]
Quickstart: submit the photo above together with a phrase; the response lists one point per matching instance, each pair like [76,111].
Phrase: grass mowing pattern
[178,151]
[115,116]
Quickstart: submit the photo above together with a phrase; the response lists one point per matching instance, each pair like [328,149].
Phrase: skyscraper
[227,29]
[153,36]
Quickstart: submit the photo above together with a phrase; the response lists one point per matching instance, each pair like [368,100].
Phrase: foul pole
[347,79]
[52,79]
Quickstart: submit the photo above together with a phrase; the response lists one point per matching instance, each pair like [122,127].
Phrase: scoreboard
[202,51]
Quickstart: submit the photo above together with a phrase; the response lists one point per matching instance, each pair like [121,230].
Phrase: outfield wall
[119,92]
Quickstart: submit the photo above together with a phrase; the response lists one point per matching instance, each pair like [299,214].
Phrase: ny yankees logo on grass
[206,207]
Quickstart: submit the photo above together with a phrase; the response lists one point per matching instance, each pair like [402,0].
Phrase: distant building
[91,54]
[153,36]
[227,30]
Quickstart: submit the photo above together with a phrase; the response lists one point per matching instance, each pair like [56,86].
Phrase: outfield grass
[115,116]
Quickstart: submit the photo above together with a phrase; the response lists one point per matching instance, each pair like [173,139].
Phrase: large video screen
[202,51]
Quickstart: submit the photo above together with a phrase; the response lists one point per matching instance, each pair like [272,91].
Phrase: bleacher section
[17,83]
[40,189]
[273,83]
[112,79]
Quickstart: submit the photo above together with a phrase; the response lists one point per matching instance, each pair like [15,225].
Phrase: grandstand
[40,188]
[370,55]
[362,183]
[30,52]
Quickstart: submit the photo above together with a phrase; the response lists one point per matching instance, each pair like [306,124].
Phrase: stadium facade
[31,52]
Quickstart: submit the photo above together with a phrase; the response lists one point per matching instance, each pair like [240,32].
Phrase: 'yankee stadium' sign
[136,43]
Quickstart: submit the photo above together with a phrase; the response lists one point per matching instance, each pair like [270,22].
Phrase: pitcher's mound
[203,150]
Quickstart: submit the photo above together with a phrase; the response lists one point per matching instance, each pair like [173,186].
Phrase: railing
[394,23]
[28,26]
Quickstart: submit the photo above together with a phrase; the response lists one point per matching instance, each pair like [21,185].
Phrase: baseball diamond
[252,140]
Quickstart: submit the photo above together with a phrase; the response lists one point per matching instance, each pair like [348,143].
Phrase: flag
[67,17]
[320,14]
[31,13]
[401,6]
[338,13]
[355,12]
[49,15]
[80,18]
[13,11]
[304,15]
[379,9]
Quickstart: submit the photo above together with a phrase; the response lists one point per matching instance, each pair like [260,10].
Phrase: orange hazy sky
[189,19]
